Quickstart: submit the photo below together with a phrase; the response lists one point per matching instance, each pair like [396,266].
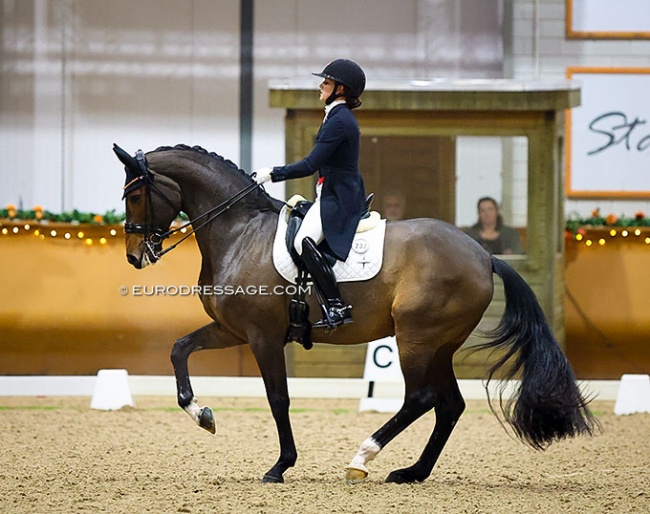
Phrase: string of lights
[597,230]
[600,236]
[87,228]
[92,228]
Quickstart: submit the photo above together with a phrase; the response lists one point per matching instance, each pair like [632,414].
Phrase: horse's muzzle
[136,262]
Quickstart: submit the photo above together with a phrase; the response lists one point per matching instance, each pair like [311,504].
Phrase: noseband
[154,235]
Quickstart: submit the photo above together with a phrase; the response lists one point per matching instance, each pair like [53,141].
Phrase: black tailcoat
[336,156]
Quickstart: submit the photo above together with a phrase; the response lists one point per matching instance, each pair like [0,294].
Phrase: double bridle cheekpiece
[154,235]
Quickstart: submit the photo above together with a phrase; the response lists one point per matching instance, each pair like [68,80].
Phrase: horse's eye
[135,198]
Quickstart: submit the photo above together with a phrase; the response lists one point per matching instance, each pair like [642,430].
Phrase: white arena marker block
[382,365]
[633,395]
[112,390]
[390,405]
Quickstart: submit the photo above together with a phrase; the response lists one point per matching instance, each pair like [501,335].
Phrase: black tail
[548,405]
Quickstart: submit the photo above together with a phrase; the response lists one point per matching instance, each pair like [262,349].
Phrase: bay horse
[434,286]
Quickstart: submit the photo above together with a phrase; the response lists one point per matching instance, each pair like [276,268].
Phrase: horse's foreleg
[209,337]
[271,362]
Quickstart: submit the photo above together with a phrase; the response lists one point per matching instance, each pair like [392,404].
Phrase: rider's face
[326,89]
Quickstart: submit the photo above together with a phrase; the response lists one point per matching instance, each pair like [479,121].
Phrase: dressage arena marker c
[382,365]
[112,391]
[633,395]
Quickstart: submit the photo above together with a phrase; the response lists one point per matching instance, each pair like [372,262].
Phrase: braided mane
[263,200]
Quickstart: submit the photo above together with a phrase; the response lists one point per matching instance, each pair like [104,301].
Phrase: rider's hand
[262,175]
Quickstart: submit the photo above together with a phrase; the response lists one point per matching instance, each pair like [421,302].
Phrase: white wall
[161,72]
[542,51]
[142,74]
[147,73]
[474,181]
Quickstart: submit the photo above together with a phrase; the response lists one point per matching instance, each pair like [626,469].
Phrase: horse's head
[152,202]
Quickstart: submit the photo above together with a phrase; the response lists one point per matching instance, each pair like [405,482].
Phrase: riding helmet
[346,72]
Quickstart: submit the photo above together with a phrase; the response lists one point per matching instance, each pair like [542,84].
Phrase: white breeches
[311,226]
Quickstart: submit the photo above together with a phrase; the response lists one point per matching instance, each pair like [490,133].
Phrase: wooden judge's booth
[408,139]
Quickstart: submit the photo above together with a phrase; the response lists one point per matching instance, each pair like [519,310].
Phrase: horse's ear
[128,161]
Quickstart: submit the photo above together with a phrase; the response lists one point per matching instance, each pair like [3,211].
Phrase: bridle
[154,235]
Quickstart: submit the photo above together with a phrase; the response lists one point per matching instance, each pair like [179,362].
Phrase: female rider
[340,192]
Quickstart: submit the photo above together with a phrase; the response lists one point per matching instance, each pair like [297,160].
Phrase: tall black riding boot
[323,275]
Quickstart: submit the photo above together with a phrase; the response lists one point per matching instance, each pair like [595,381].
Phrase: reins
[213,213]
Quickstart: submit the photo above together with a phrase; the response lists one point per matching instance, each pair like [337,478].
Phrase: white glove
[262,175]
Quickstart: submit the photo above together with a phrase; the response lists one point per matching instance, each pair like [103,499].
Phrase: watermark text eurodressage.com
[212,290]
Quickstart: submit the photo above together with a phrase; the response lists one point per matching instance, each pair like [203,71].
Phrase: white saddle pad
[363,263]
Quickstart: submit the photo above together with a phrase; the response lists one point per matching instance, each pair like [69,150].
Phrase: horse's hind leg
[449,405]
[209,337]
[427,386]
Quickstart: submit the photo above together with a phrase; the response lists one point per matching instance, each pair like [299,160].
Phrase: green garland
[574,222]
[108,218]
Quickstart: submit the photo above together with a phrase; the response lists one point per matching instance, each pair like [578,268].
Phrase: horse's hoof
[206,420]
[402,476]
[355,476]
[396,478]
[269,479]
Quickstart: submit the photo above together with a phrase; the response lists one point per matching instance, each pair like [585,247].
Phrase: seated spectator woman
[490,232]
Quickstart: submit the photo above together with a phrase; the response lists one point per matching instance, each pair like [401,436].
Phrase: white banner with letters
[609,134]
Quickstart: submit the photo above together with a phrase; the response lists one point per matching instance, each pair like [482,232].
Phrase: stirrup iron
[337,314]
